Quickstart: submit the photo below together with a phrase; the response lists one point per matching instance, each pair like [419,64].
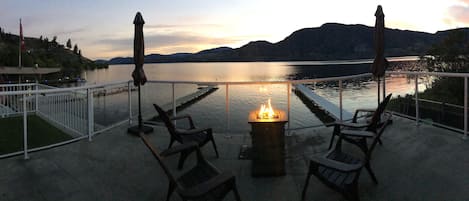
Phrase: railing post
[37,97]
[25,128]
[129,98]
[417,116]
[227,109]
[340,99]
[288,106]
[90,113]
[464,137]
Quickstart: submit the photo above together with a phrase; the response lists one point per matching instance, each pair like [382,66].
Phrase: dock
[312,99]
[190,99]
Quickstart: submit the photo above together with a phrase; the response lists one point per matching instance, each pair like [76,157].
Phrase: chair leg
[171,142]
[331,142]
[213,142]
[170,190]
[368,167]
[303,193]
[236,193]
[352,192]
[182,159]
[215,147]
[334,133]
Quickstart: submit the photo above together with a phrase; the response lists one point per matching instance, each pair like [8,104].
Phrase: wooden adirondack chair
[203,182]
[199,135]
[350,130]
[340,170]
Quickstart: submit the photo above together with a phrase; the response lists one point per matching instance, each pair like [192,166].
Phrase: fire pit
[268,152]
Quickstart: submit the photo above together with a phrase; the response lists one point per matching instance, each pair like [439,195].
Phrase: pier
[311,99]
[190,99]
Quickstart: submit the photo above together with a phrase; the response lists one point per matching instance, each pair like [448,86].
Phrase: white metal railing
[69,109]
[13,105]
[72,108]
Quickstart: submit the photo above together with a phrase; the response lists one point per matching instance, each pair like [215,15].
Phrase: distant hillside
[44,53]
[331,41]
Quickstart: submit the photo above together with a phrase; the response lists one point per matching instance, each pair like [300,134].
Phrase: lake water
[211,110]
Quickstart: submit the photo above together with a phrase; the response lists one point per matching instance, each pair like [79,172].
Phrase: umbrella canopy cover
[139,51]
[380,63]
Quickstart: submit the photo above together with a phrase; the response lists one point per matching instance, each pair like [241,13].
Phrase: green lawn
[40,133]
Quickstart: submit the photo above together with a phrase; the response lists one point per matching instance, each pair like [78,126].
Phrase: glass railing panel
[110,105]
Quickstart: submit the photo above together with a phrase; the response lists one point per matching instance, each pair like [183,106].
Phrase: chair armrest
[207,186]
[349,124]
[191,131]
[336,165]
[357,133]
[191,146]
[191,123]
[365,110]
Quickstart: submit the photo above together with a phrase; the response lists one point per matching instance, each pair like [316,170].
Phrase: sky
[103,28]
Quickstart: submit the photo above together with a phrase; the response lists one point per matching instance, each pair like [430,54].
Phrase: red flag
[21,37]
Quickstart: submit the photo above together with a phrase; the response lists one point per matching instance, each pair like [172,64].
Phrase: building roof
[27,70]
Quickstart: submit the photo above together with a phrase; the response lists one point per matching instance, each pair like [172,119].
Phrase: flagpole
[19,47]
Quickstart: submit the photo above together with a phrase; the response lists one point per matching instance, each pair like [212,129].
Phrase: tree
[75,49]
[451,54]
[79,56]
[69,44]
[54,39]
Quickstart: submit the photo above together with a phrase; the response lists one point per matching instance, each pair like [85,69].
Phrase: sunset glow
[103,29]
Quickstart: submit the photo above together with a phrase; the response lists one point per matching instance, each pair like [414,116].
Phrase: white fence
[72,109]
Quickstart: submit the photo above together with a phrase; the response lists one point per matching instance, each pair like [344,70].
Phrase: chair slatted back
[379,111]
[167,121]
[376,118]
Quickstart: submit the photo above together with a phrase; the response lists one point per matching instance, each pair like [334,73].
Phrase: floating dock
[190,99]
[312,99]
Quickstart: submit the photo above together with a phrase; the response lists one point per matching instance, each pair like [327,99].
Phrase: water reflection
[212,111]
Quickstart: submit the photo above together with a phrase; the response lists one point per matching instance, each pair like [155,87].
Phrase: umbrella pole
[378,92]
[384,86]
[140,123]
[140,128]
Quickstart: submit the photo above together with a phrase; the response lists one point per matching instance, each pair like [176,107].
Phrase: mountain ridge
[330,41]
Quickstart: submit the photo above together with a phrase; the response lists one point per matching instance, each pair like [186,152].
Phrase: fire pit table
[268,143]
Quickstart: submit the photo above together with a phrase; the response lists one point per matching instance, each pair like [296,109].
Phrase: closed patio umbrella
[380,63]
[139,51]
[138,74]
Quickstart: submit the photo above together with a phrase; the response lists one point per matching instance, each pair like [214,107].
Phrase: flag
[21,37]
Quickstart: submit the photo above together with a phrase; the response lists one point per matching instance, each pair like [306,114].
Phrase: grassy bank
[40,133]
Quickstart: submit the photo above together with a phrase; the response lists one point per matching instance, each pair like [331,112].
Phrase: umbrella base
[135,130]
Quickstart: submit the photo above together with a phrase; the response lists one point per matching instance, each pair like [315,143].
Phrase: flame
[266,112]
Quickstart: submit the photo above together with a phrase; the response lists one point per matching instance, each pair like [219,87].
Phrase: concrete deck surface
[414,163]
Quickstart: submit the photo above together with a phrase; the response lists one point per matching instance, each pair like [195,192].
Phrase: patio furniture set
[337,169]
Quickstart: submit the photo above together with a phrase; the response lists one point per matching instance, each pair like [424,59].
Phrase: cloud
[175,42]
[159,26]
[459,13]
[69,32]
[465,1]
